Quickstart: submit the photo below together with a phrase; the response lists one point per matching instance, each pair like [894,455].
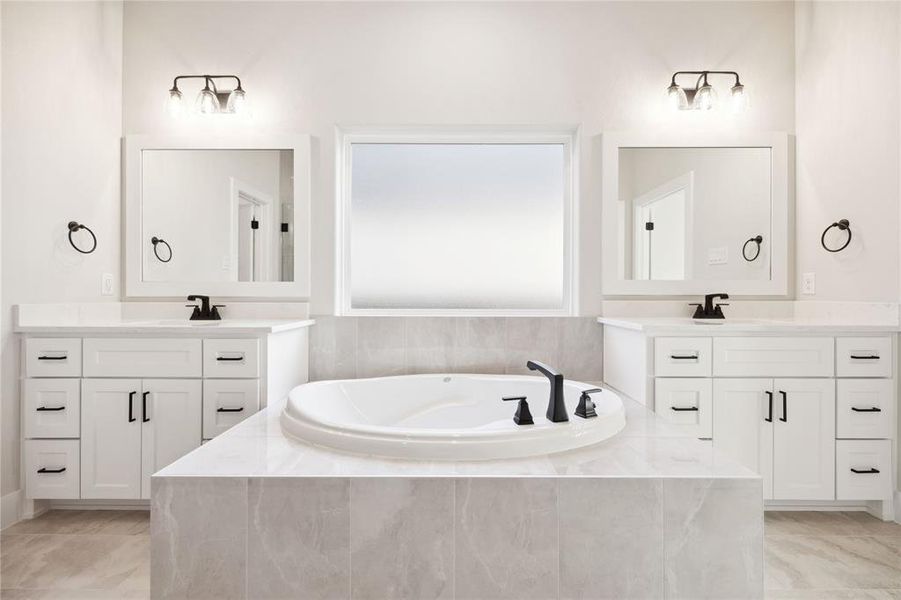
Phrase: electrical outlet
[809,284]
[106,284]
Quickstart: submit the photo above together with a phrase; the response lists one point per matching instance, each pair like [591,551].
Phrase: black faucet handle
[523,415]
[585,409]
[214,312]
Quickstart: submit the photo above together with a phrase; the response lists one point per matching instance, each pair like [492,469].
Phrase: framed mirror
[224,217]
[691,215]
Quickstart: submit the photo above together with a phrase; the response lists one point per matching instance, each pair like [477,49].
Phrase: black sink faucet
[708,310]
[556,408]
[204,312]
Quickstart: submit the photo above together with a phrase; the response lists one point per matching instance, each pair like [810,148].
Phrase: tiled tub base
[392,538]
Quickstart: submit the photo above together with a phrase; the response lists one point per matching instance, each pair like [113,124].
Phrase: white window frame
[346,137]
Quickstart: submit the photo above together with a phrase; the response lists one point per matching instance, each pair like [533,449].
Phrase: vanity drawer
[52,357]
[52,408]
[227,402]
[52,469]
[773,357]
[864,408]
[682,356]
[231,358]
[162,357]
[871,477]
[863,357]
[686,401]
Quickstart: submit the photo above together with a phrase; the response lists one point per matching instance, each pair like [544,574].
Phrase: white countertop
[168,326]
[647,447]
[711,327]
[153,318]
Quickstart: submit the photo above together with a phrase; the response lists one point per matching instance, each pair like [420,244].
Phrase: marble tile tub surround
[456,538]
[350,347]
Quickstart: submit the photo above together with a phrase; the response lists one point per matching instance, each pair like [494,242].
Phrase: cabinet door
[111,438]
[742,425]
[804,439]
[170,421]
[686,401]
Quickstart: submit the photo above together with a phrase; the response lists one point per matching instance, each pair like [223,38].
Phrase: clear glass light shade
[207,102]
[705,98]
[739,99]
[236,101]
[676,97]
[174,105]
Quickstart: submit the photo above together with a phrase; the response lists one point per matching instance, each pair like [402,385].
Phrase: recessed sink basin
[178,323]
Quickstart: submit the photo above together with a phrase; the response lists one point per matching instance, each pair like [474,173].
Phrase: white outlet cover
[106,284]
[809,284]
[718,256]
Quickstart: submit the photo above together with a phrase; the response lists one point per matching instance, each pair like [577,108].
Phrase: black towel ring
[744,249]
[843,225]
[73,227]
[156,241]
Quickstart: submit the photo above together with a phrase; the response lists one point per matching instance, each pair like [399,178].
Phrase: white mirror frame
[136,287]
[613,281]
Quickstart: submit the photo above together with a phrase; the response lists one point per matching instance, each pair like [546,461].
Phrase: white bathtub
[445,417]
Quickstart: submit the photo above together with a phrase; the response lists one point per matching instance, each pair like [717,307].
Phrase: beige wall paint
[61,126]
[308,66]
[849,146]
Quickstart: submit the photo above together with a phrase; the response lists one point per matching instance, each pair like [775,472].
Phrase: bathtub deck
[648,513]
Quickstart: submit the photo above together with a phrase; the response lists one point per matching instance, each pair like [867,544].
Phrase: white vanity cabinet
[102,413]
[813,413]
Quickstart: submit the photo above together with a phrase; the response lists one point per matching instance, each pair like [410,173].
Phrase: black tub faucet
[556,408]
[708,310]
[204,312]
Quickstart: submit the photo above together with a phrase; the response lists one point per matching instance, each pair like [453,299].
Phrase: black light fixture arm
[702,76]
[208,79]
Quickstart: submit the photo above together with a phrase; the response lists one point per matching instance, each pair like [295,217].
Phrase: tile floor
[87,555]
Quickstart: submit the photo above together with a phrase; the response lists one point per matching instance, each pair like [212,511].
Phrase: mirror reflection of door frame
[641,268]
[242,193]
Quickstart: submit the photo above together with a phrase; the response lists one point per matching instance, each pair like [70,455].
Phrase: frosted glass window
[458,226]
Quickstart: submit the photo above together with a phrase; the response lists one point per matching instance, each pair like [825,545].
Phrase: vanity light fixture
[703,96]
[211,99]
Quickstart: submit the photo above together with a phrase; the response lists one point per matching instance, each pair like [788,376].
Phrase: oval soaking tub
[444,417]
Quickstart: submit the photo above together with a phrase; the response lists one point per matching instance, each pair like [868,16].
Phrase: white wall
[849,146]
[309,66]
[61,124]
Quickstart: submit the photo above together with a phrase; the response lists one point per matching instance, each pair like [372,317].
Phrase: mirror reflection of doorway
[253,228]
[662,231]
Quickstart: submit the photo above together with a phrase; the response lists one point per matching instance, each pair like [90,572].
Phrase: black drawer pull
[864,471]
[229,358]
[683,357]
[867,357]
[784,417]
[874,409]
[769,418]
[684,408]
[50,409]
[230,409]
[46,470]
[53,357]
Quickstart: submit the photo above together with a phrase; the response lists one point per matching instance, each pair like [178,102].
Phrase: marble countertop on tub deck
[647,447]
[653,326]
